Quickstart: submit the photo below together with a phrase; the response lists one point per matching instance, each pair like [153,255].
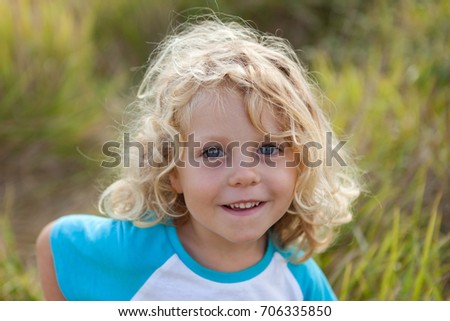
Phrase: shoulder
[100,258]
[311,280]
[45,265]
[78,230]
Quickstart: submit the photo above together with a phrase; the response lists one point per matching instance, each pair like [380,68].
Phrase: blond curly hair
[210,54]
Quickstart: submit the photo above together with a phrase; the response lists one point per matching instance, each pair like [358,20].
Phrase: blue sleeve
[313,283]
[98,258]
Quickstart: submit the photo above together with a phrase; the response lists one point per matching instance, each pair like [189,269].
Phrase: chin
[246,238]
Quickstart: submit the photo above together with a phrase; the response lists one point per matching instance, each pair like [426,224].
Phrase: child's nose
[243,176]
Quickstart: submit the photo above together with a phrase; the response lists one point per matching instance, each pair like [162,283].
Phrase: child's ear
[175,181]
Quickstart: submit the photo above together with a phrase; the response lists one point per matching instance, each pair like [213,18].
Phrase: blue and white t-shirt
[98,258]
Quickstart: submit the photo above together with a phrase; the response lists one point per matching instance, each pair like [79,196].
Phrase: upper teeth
[244,205]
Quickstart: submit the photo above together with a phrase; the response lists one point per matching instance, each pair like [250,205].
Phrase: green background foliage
[68,69]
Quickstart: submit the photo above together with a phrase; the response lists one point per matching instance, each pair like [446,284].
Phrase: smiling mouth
[243,206]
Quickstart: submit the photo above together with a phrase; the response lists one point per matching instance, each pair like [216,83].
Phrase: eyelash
[218,150]
[273,146]
[212,148]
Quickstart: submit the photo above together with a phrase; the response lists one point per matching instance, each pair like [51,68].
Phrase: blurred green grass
[65,72]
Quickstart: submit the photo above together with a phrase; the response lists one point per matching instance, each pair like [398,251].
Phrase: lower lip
[244,212]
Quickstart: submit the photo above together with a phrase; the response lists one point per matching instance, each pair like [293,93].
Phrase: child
[228,191]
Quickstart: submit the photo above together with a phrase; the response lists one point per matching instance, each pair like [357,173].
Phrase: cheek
[286,188]
[197,182]
[199,196]
[285,178]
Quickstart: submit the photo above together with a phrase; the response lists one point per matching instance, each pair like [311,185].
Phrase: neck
[218,254]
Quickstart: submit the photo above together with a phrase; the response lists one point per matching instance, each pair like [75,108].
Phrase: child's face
[217,188]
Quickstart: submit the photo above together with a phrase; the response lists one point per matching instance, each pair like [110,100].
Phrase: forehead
[228,108]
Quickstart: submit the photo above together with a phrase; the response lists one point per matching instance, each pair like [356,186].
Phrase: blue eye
[212,152]
[269,150]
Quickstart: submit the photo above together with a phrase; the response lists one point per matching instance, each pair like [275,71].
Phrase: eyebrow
[226,140]
[209,137]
